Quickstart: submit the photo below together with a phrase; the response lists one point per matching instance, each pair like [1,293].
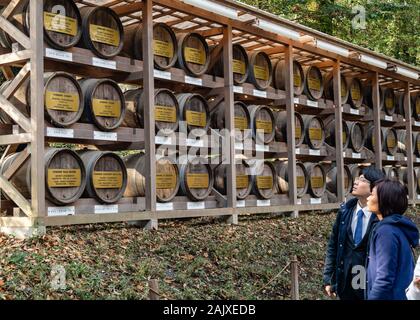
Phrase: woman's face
[372,202]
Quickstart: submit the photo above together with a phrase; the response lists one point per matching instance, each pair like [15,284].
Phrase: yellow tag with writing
[297,80]
[107,179]
[59,23]
[314,84]
[418,106]
[343,90]
[390,141]
[238,66]
[165,181]
[198,180]
[104,35]
[165,114]
[317,182]
[106,108]
[261,73]
[242,182]
[241,123]
[163,48]
[315,133]
[63,178]
[346,182]
[62,101]
[193,55]
[265,182]
[418,145]
[344,137]
[373,141]
[355,92]
[195,118]
[265,125]
[298,132]
[300,181]
[389,103]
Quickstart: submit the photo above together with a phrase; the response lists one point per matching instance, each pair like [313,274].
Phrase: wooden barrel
[196,179]
[282,175]
[65,175]
[166,110]
[370,138]
[314,84]
[387,99]
[281,127]
[415,105]
[165,45]
[330,133]
[62,24]
[106,175]
[317,179]
[242,119]
[356,171]
[260,70]
[400,99]
[240,64]
[416,145]
[193,53]
[403,177]
[417,171]
[103,32]
[332,180]
[167,177]
[194,112]
[391,172]
[262,123]
[329,88]
[314,131]
[263,180]
[279,76]
[357,136]
[243,180]
[104,103]
[402,141]
[355,98]
[390,145]
[19,100]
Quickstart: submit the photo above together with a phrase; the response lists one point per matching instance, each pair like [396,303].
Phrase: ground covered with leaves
[191,259]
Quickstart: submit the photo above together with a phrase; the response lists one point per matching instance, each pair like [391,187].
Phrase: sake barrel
[415,105]
[62,24]
[65,175]
[370,140]
[355,97]
[193,53]
[104,103]
[242,120]
[314,131]
[330,133]
[356,171]
[391,172]
[165,45]
[260,70]
[106,176]
[400,98]
[279,76]
[282,178]
[262,123]
[194,111]
[263,180]
[387,100]
[357,136]
[332,180]
[196,179]
[317,179]
[403,177]
[281,127]
[329,88]
[243,180]
[390,145]
[19,100]
[166,110]
[103,32]
[402,141]
[314,84]
[240,64]
[167,177]
[416,146]
[417,171]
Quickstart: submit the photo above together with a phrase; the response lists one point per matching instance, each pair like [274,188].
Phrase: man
[347,247]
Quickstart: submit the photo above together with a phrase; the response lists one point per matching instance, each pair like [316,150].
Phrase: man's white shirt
[366,217]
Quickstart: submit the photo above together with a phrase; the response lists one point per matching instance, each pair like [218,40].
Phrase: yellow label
[389,103]
[165,181]
[418,145]
[242,182]
[317,182]
[355,92]
[163,48]
[63,178]
[107,179]
[261,73]
[346,182]
[297,80]
[265,125]
[373,141]
[265,182]
[300,181]
[165,114]
[298,132]
[195,118]
[239,66]
[193,55]
[198,180]
[314,84]
[59,23]
[418,106]
[241,123]
[107,108]
[315,133]
[344,137]
[104,35]
[62,101]
[343,90]
[390,141]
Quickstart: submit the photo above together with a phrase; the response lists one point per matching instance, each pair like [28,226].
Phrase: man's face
[361,187]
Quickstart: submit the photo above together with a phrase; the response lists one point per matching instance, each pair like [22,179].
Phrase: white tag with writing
[162,74]
[356,155]
[60,133]
[192,80]
[313,152]
[164,206]
[259,93]
[316,200]
[240,203]
[263,203]
[109,64]
[102,209]
[61,211]
[58,54]
[108,136]
[195,143]
[163,140]
[238,89]
[196,205]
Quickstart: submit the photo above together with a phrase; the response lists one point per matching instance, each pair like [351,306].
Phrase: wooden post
[294,272]
[409,144]
[153,290]
[377,121]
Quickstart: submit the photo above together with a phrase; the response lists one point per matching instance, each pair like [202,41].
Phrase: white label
[239,146]
[417,123]
[61,211]
[59,55]
[240,203]
[162,74]
[316,200]
[238,89]
[418,196]
[164,206]
[298,201]
[311,103]
[196,205]
[296,100]
[195,81]
[405,158]
[417,159]
[263,203]
[163,140]
[313,152]
[344,154]
[102,209]
[356,155]
[354,111]
[195,143]
[108,136]
[388,118]
[262,147]
[297,151]
[61,133]
[109,64]
[259,93]
[390,158]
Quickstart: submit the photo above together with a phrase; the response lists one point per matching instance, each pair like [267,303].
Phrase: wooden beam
[15,139]
[16,196]
[127,9]
[15,33]
[12,7]
[17,81]
[211,32]
[17,164]
[377,121]
[7,73]
[15,114]
[409,144]
[15,57]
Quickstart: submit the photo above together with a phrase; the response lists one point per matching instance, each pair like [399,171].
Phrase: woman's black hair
[392,197]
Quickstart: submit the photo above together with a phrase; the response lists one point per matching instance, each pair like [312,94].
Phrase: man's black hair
[392,197]
[372,174]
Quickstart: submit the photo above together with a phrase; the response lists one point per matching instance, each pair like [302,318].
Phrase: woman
[413,292]
[390,261]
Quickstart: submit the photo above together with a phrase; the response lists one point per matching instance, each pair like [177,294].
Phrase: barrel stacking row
[401,174]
